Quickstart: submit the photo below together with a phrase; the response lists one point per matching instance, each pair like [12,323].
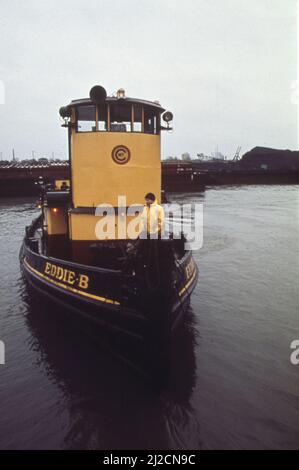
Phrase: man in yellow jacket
[152,218]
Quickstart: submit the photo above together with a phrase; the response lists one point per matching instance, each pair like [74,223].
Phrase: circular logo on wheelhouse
[121,154]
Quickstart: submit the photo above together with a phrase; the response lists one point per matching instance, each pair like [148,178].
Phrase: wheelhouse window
[120,117]
[151,121]
[86,119]
[137,117]
[91,118]
[102,118]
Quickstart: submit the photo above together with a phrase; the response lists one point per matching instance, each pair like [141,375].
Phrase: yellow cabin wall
[83,227]
[97,179]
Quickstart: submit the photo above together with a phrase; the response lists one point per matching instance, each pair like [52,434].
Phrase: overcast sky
[225,68]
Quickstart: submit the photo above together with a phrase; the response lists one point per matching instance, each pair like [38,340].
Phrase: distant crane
[237,154]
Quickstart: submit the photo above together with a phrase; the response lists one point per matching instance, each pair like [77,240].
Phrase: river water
[233,385]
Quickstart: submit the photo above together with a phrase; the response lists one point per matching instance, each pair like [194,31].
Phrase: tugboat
[131,292]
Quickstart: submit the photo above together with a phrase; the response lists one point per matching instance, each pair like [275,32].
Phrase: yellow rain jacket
[152,218]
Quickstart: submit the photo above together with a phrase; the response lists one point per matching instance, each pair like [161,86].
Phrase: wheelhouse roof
[113,99]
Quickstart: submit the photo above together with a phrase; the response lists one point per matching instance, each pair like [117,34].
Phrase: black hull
[132,320]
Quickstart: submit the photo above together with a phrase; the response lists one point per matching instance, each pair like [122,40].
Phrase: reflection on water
[109,405]
[232,384]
